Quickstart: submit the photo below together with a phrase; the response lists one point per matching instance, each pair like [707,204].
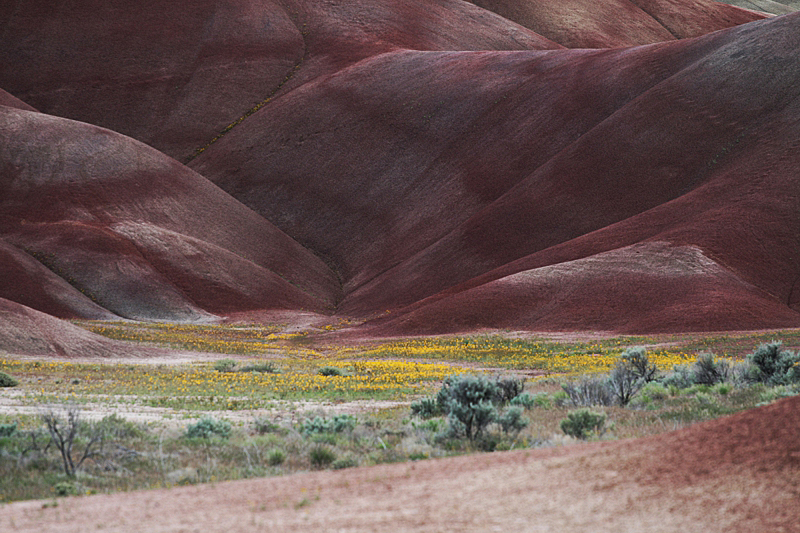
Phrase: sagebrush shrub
[589,392]
[583,423]
[528,401]
[707,370]
[512,420]
[774,366]
[332,371]
[639,363]
[425,408]
[624,382]
[225,365]
[7,381]
[320,425]
[265,368]
[209,427]
[468,402]
[508,388]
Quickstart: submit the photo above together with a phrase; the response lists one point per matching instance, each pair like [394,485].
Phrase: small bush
[681,377]
[636,359]
[775,366]
[583,423]
[7,381]
[344,462]
[208,427]
[508,388]
[332,371]
[66,488]
[321,456]
[709,371]
[723,389]
[527,400]
[265,368]
[467,401]
[425,408]
[655,391]
[589,392]
[7,430]
[264,425]
[337,424]
[512,420]
[276,457]
[624,382]
[225,365]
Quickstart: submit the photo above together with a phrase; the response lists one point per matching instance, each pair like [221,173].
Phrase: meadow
[295,402]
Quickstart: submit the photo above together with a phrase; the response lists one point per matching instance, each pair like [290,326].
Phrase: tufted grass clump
[321,456]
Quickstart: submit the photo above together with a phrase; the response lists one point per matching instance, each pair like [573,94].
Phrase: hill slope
[437,159]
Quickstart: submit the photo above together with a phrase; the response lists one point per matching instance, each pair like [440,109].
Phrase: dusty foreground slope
[736,474]
[626,166]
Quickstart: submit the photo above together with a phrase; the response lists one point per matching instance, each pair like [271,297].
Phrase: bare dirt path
[736,474]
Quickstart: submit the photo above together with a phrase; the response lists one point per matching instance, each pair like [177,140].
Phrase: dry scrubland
[266,403]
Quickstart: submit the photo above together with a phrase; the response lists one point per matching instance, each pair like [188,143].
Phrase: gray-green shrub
[7,380]
[508,388]
[320,425]
[589,391]
[773,365]
[468,402]
[512,420]
[707,370]
[225,365]
[425,408]
[637,360]
[332,371]
[208,427]
[583,423]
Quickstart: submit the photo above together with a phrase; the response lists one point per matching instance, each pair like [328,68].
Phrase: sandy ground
[736,474]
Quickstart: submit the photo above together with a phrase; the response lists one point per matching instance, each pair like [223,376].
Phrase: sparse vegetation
[493,411]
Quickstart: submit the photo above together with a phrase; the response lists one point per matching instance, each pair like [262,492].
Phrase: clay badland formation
[626,166]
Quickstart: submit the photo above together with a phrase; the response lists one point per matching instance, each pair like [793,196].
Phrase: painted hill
[451,162]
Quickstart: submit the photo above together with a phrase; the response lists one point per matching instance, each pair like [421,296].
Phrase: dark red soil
[448,161]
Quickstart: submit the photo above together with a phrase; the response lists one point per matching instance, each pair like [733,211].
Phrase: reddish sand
[736,474]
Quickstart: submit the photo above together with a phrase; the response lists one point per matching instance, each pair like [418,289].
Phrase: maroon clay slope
[646,288]
[612,23]
[28,282]
[25,331]
[12,101]
[388,156]
[138,232]
[175,74]
[724,190]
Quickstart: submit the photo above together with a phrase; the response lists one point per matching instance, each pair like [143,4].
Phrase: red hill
[448,161]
